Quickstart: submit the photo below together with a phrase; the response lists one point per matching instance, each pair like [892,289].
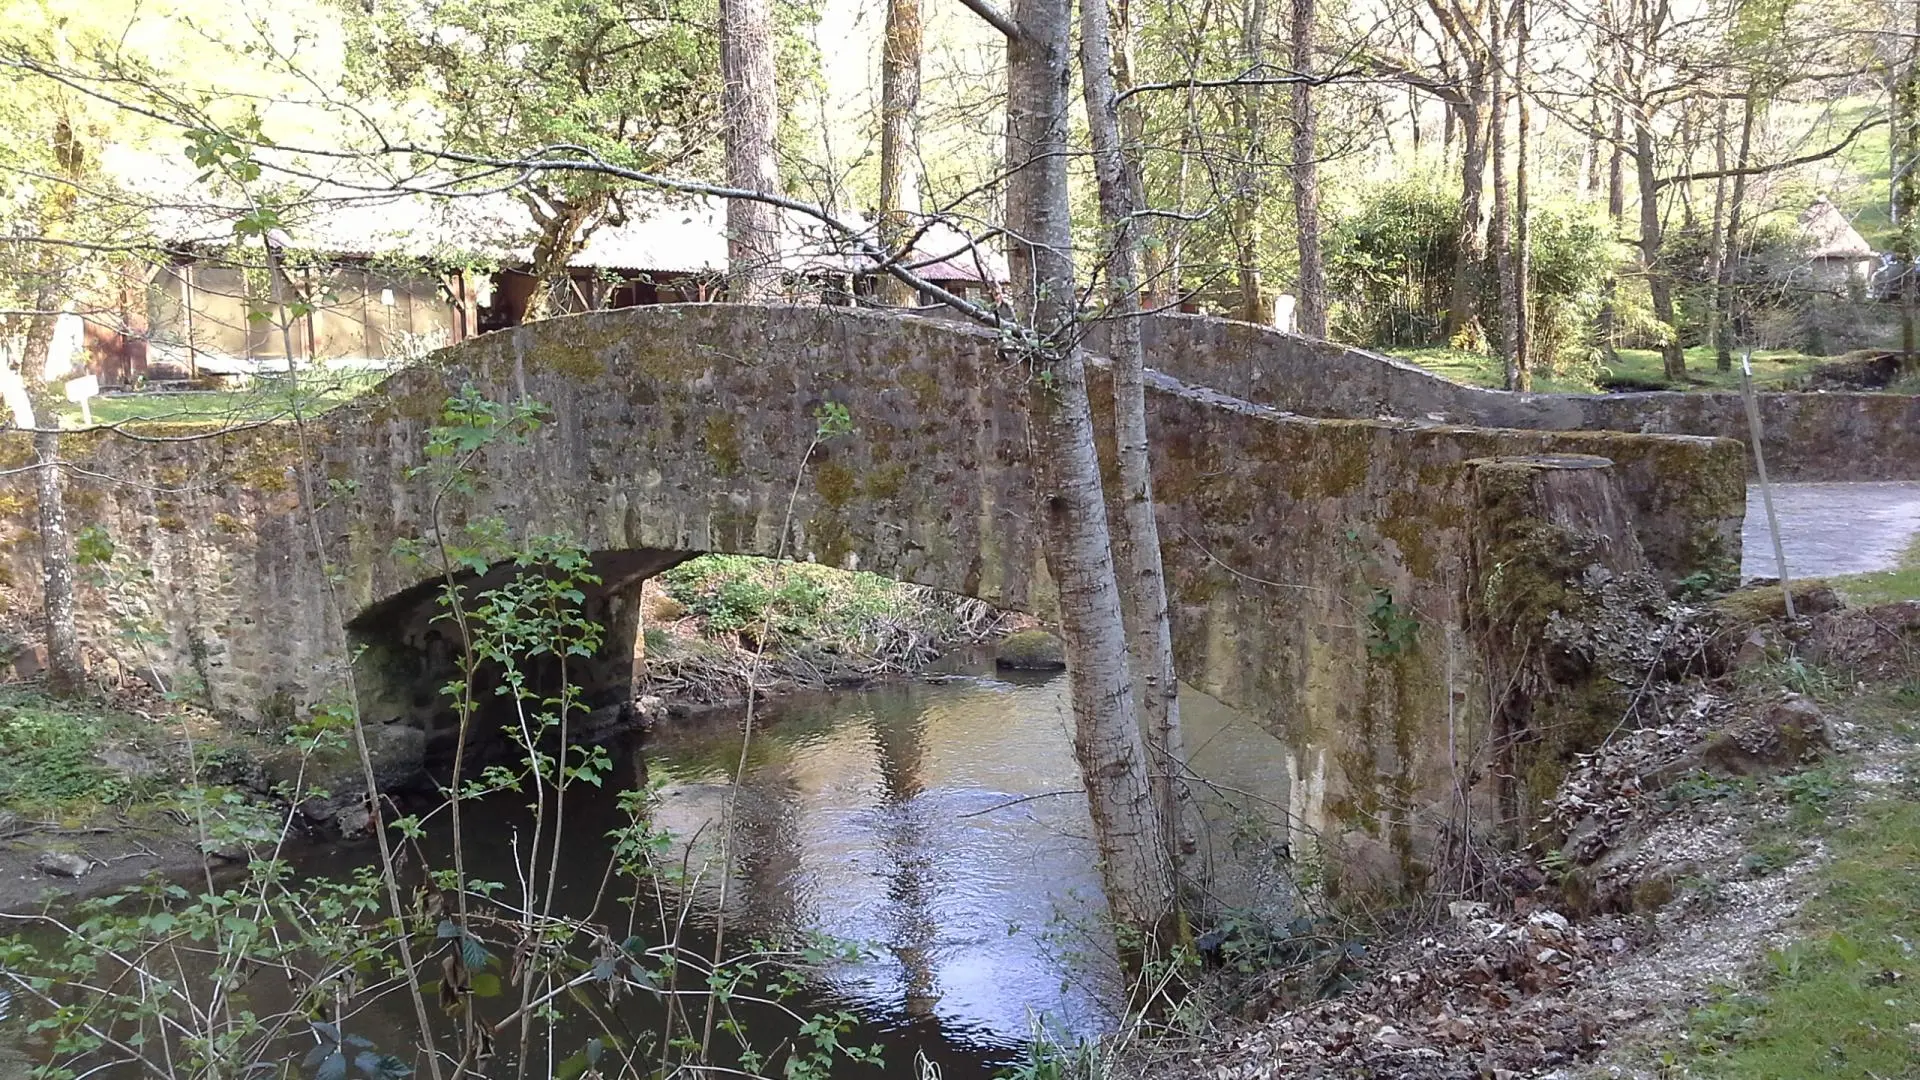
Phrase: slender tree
[1107,733]
[1498,230]
[1310,313]
[1142,578]
[751,118]
[899,136]
[1520,286]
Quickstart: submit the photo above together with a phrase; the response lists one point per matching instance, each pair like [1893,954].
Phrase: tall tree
[751,118]
[1520,285]
[899,136]
[1250,186]
[1142,579]
[1107,734]
[1310,313]
[1498,230]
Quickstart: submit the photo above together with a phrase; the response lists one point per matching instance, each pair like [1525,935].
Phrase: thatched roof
[656,232]
[1830,235]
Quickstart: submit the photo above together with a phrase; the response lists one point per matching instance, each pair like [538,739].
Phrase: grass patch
[265,398]
[1839,1002]
[1772,369]
[49,756]
[797,604]
[1884,586]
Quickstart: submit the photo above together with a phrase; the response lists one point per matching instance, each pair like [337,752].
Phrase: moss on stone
[1031,650]
[722,442]
[836,484]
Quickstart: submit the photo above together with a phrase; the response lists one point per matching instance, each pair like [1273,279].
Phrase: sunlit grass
[1636,369]
[265,398]
[1884,586]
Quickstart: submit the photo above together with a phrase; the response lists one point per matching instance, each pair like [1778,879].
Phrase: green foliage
[1390,264]
[47,757]
[796,604]
[1572,255]
[1391,629]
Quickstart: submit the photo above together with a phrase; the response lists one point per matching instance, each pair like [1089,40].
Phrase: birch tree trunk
[1107,739]
[65,671]
[751,111]
[899,138]
[1310,311]
[1142,578]
[1717,250]
[1521,283]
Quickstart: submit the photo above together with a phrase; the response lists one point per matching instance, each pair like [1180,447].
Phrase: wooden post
[1760,469]
[186,296]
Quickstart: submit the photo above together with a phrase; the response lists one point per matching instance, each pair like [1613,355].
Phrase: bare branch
[995,17]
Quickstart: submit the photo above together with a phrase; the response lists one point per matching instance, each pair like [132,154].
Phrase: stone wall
[1809,436]
[1318,568]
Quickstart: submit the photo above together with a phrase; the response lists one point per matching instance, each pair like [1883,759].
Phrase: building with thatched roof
[355,276]
[1839,258]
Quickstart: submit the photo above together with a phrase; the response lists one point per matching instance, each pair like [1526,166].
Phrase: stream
[937,824]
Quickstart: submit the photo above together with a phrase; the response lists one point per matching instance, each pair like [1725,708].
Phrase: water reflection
[940,824]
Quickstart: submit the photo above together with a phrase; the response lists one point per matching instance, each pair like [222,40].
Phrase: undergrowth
[49,755]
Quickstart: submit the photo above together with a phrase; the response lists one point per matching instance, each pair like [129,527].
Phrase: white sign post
[81,392]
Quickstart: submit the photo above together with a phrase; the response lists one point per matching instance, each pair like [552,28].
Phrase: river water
[936,824]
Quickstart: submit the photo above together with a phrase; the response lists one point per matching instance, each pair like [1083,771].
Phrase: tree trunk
[1463,309]
[1522,229]
[1717,230]
[751,111]
[1499,236]
[1107,738]
[1736,217]
[1136,541]
[1673,358]
[1248,227]
[1906,196]
[1310,312]
[563,232]
[1616,210]
[899,140]
[65,673]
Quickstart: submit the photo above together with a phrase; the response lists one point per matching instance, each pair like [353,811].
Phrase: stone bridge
[677,430]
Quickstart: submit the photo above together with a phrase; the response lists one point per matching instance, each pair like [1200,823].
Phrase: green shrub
[47,757]
[802,603]
[1390,264]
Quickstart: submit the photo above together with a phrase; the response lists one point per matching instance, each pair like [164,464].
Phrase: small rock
[1550,919]
[62,864]
[130,765]
[1463,910]
[29,662]
[1031,650]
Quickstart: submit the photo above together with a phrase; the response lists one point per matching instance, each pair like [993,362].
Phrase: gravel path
[1832,528]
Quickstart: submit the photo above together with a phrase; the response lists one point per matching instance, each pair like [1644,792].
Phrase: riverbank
[1725,890]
